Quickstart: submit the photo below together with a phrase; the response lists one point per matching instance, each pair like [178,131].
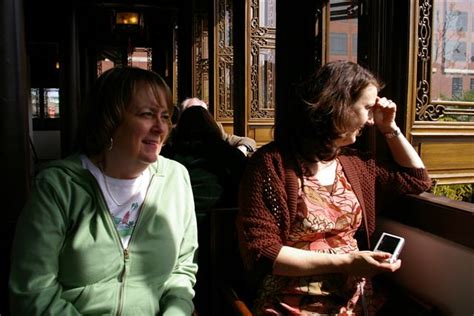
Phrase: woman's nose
[370,118]
[160,126]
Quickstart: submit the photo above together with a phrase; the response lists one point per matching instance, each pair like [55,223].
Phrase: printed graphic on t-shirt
[126,223]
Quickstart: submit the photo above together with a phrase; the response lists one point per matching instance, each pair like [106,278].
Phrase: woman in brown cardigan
[305,195]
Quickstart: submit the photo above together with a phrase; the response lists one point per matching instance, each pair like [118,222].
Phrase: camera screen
[388,244]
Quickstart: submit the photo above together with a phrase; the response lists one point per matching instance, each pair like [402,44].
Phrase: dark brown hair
[196,126]
[109,97]
[322,110]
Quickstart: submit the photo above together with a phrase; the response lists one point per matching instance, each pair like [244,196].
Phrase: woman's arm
[40,231]
[263,211]
[298,262]
[402,151]
[178,295]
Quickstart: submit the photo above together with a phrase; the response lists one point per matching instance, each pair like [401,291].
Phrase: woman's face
[363,115]
[138,139]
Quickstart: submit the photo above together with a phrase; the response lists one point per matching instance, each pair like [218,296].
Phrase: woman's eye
[147,114]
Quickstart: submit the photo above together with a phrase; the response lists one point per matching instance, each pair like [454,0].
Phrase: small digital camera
[392,244]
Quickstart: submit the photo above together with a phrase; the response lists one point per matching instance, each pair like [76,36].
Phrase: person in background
[111,229]
[245,144]
[215,167]
[175,116]
[304,196]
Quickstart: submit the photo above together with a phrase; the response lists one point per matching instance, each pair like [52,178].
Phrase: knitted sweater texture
[269,202]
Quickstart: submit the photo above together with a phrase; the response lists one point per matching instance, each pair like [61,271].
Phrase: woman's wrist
[389,129]
[392,134]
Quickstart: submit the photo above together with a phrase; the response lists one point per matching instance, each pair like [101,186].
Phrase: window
[456,21]
[338,43]
[455,51]
[45,108]
[443,116]
[140,57]
[456,87]
[342,30]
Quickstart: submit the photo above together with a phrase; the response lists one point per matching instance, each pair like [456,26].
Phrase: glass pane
[343,30]
[225,86]
[228,87]
[35,102]
[452,72]
[51,100]
[227,36]
[266,70]
[267,13]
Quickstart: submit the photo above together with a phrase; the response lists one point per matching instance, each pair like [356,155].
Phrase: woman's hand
[300,262]
[403,153]
[369,263]
[384,115]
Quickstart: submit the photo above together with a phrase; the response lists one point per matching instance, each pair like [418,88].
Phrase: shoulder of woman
[70,166]
[268,159]
[356,154]
[268,150]
[164,166]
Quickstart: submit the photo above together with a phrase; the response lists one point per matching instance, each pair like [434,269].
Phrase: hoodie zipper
[126,251]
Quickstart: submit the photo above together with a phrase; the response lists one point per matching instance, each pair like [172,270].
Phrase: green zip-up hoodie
[68,259]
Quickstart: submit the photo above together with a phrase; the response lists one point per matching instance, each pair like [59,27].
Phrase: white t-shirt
[124,197]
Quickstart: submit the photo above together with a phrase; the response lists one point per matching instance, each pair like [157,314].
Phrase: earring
[111,144]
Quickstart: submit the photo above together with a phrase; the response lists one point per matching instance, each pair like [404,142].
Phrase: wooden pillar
[70,85]
[296,47]
[15,155]
[185,48]
[14,92]
[241,72]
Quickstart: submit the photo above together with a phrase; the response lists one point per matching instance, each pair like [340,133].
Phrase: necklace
[131,196]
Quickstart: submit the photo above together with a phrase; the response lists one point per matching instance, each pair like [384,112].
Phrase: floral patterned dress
[333,216]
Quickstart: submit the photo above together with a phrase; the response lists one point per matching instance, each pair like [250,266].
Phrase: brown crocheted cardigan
[268,199]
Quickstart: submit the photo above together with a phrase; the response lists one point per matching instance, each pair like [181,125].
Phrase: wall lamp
[127,18]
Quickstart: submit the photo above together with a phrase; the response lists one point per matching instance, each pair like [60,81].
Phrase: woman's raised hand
[384,115]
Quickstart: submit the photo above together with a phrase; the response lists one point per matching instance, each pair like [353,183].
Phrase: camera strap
[363,301]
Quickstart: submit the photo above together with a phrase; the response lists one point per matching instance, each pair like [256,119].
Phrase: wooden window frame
[425,135]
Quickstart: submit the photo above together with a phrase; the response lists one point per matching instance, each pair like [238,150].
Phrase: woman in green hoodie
[112,229]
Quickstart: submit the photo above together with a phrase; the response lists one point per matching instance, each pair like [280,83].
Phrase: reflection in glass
[452,67]
[266,69]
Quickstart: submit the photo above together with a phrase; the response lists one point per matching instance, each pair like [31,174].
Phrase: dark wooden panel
[446,218]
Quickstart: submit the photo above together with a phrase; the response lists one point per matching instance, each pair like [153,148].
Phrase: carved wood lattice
[201,58]
[262,79]
[425,111]
[225,60]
